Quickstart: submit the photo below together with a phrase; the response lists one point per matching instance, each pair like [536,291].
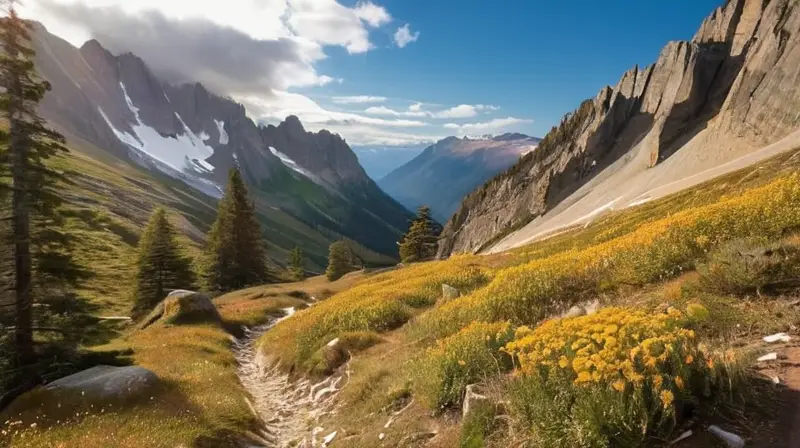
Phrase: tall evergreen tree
[340,261]
[297,264]
[161,267]
[421,240]
[36,242]
[235,253]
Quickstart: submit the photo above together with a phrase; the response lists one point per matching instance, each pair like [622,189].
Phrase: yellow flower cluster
[617,347]
[656,250]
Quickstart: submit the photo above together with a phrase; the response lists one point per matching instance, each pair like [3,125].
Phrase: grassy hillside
[686,287]
[695,339]
[200,402]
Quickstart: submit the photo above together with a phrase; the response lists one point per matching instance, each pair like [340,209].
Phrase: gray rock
[582,309]
[108,382]
[736,81]
[182,306]
[471,399]
[449,293]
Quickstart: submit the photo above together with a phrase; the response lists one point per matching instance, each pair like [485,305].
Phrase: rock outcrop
[183,306]
[729,91]
[107,383]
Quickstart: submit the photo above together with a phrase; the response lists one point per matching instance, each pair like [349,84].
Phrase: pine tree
[161,267]
[297,264]
[340,261]
[36,241]
[420,242]
[235,253]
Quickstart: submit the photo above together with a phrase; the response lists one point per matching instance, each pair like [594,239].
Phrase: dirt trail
[290,410]
[781,427]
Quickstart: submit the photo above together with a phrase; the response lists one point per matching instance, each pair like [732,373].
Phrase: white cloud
[358,99]
[460,111]
[415,110]
[383,110]
[329,23]
[356,128]
[494,125]
[403,36]
[374,15]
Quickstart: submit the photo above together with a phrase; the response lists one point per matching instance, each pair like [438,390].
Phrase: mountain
[378,161]
[706,107]
[447,171]
[309,188]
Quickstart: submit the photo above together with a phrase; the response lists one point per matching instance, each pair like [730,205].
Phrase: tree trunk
[21,234]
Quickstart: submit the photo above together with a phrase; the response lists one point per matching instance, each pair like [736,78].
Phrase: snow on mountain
[291,164]
[223,136]
[179,156]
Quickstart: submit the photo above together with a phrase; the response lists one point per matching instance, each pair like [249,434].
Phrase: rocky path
[290,410]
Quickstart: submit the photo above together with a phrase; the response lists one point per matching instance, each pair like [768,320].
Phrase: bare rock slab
[108,382]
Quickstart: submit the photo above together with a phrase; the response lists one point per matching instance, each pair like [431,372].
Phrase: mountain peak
[293,124]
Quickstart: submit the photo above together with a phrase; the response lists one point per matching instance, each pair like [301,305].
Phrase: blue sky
[534,59]
[464,67]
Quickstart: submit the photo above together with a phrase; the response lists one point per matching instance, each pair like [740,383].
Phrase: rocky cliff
[729,91]
[115,103]
[448,170]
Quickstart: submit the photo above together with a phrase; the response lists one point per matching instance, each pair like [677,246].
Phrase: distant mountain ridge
[726,94]
[186,132]
[378,161]
[446,171]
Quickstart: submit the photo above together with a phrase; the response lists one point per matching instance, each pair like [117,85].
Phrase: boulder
[471,399]
[104,383]
[182,306]
[449,293]
[582,309]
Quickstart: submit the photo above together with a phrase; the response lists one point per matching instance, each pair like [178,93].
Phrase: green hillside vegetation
[640,263]
[656,270]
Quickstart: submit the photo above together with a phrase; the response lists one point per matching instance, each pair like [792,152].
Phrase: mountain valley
[194,269]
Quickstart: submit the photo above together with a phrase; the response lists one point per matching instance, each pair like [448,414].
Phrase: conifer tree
[420,242]
[340,261]
[297,264]
[36,242]
[161,267]
[235,253]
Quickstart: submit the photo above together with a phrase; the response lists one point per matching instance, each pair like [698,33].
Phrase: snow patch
[291,163]
[223,136]
[181,154]
[205,165]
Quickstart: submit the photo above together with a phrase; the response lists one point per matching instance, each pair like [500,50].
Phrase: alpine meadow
[329,223]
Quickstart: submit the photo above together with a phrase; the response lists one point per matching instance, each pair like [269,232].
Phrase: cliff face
[729,91]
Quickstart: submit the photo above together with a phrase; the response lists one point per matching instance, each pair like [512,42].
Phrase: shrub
[477,426]
[442,375]
[748,266]
[609,379]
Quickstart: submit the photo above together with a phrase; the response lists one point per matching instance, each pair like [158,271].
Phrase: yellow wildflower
[618,385]
[689,359]
[679,382]
[583,377]
[667,397]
